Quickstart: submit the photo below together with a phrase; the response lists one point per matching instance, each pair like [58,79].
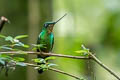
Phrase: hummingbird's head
[49,25]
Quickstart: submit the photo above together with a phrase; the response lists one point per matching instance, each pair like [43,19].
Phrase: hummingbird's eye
[45,25]
[49,25]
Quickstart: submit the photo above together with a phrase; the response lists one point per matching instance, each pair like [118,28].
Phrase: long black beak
[60,18]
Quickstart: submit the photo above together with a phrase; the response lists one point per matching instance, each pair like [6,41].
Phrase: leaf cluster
[13,42]
[9,62]
[44,64]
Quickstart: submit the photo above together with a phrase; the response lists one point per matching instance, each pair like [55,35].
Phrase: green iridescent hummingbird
[46,38]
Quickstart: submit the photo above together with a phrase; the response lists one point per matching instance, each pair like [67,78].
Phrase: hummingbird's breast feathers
[47,40]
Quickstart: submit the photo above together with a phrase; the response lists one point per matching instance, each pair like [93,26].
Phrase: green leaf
[9,38]
[51,64]
[43,66]
[26,46]
[2,36]
[4,47]
[36,60]
[50,58]
[2,62]
[21,64]
[34,49]
[18,59]
[21,36]
[81,51]
[39,60]
[5,57]
[39,45]
[22,45]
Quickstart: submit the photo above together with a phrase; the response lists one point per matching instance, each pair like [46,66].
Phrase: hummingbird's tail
[40,70]
[39,56]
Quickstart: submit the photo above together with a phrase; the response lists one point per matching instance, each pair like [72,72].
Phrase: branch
[2,22]
[91,56]
[59,71]
[103,65]
[56,70]
[46,54]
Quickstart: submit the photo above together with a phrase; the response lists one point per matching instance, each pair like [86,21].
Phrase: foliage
[38,46]
[9,61]
[44,63]
[13,42]
[84,51]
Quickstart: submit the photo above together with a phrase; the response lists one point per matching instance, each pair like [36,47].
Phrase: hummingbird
[46,38]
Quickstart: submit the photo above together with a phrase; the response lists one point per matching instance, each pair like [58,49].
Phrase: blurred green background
[94,23]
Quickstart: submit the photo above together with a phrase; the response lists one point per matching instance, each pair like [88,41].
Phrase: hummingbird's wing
[38,41]
[52,43]
[46,42]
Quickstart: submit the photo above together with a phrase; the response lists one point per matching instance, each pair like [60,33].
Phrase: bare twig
[56,70]
[93,57]
[46,54]
[103,65]
[2,22]
[59,71]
